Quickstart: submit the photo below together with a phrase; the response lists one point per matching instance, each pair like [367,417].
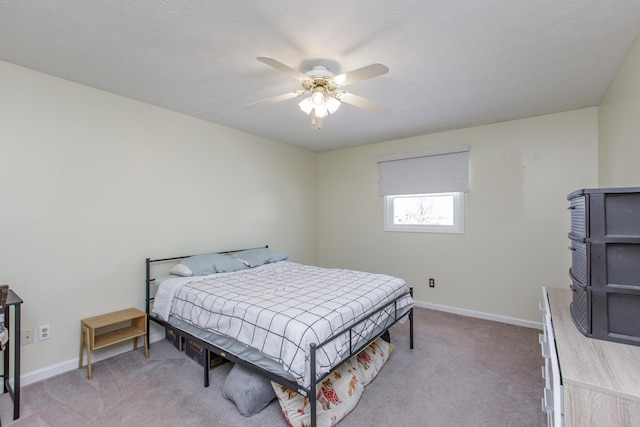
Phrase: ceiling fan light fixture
[317,98]
[332,104]
[319,105]
[321,111]
[306,105]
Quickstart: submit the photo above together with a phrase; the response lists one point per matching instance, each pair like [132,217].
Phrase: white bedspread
[281,308]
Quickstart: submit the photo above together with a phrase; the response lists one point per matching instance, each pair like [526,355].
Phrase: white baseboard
[479,315]
[48,372]
[69,365]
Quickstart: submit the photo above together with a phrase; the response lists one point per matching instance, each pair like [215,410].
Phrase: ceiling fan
[324,89]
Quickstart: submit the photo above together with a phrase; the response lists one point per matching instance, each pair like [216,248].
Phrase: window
[424,191]
[434,212]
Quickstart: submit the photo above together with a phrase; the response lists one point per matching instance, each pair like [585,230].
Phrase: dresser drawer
[578,216]
[552,395]
[581,307]
[579,261]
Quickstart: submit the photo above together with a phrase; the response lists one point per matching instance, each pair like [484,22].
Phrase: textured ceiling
[453,64]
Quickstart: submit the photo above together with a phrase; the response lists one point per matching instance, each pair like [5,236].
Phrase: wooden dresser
[599,381]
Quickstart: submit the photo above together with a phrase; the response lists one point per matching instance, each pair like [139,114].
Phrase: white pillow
[181,270]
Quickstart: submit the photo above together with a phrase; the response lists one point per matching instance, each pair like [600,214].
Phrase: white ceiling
[453,63]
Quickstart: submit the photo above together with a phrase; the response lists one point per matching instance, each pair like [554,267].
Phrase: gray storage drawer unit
[605,263]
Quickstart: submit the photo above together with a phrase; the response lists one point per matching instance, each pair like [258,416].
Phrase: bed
[293,324]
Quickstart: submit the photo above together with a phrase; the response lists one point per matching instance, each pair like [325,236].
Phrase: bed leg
[411,329]
[148,295]
[206,369]
[312,398]
[411,322]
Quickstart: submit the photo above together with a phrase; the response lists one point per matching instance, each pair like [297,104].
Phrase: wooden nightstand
[112,328]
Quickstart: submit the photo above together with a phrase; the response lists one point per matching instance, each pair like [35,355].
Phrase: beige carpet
[462,372]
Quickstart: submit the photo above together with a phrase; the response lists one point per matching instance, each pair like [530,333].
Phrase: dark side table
[13,329]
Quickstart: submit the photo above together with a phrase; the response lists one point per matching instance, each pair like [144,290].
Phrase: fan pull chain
[313,119]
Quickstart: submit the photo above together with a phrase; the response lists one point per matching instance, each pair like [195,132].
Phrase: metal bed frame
[308,392]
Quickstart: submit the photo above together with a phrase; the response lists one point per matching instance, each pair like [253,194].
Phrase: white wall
[515,239]
[619,126]
[92,183]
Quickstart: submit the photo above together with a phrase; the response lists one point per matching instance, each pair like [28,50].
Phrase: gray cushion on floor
[248,390]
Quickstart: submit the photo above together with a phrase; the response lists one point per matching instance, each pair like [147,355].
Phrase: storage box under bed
[200,354]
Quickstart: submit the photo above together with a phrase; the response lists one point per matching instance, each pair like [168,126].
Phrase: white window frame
[458,215]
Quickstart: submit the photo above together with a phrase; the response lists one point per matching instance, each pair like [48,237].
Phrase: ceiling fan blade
[363,73]
[363,103]
[282,67]
[275,99]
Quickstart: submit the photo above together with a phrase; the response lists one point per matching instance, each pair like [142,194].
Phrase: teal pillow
[224,263]
[259,256]
[203,265]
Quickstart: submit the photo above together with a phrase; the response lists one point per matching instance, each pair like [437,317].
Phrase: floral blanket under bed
[337,394]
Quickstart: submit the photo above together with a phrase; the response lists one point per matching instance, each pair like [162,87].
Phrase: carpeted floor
[462,372]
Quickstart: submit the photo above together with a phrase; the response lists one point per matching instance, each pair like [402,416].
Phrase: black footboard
[354,348]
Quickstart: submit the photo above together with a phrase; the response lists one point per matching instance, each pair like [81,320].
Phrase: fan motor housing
[315,82]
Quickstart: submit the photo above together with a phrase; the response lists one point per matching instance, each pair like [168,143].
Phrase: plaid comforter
[281,308]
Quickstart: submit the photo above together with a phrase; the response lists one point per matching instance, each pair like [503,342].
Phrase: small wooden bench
[112,328]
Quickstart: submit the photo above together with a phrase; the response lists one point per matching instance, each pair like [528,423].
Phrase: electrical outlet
[44,332]
[27,336]
[432,283]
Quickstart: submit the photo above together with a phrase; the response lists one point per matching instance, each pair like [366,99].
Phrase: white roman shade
[441,171]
